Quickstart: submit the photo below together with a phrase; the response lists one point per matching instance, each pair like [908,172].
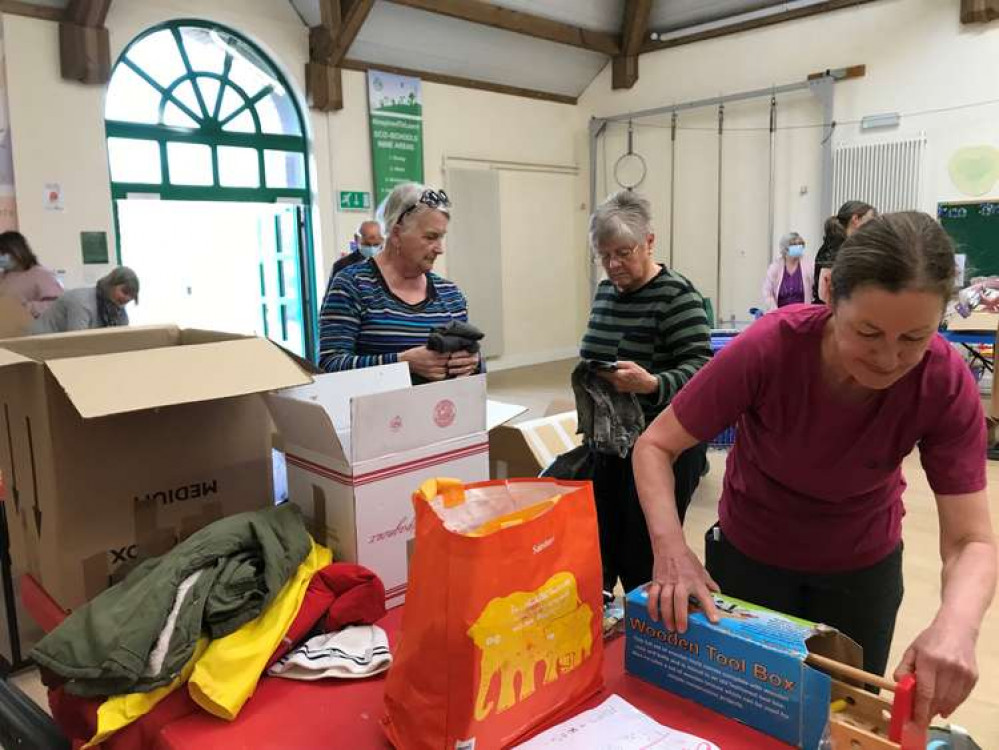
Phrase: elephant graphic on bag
[516,632]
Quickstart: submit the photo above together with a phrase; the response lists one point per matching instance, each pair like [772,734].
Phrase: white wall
[918,57]
[58,132]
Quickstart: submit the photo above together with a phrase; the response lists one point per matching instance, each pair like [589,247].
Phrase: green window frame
[281,158]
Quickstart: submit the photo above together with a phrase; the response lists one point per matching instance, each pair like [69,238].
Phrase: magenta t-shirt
[814,482]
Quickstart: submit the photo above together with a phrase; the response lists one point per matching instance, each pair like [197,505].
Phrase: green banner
[395,110]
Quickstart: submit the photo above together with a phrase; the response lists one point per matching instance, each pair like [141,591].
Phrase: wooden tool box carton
[750,666]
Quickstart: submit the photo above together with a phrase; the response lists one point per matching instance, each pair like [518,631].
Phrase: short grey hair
[360,227]
[120,276]
[791,238]
[624,216]
[402,198]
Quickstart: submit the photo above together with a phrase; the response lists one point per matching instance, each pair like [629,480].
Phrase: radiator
[888,174]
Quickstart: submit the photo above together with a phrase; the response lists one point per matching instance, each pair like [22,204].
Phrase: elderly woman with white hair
[382,310]
[789,277]
[648,322]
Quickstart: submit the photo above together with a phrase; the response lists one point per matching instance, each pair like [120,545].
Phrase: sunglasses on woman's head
[432,198]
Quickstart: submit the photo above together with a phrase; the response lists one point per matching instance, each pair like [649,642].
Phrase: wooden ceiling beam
[84,49]
[624,68]
[92,13]
[651,45]
[30,10]
[468,83]
[353,14]
[486,14]
[340,22]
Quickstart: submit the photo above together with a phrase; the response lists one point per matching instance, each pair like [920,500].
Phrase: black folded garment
[456,336]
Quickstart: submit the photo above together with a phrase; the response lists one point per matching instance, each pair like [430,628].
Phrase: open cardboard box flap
[307,424]
[317,416]
[14,319]
[130,381]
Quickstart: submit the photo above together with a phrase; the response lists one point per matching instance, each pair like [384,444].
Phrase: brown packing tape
[210,513]
[318,529]
[96,574]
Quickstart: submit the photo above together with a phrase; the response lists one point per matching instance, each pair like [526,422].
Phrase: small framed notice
[95,247]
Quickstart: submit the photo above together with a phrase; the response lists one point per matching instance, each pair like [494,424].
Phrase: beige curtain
[979,11]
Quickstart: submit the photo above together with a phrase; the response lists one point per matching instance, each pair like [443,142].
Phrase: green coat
[109,646]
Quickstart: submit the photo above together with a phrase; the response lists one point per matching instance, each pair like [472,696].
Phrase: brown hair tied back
[908,250]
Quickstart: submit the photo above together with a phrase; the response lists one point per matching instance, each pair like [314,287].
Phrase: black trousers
[625,547]
[861,603]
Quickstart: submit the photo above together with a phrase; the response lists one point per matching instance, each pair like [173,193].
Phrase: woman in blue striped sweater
[381,311]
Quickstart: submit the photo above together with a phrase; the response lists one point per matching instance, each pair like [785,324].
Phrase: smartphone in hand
[601,365]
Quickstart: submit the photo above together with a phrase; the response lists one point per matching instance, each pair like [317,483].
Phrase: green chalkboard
[974,227]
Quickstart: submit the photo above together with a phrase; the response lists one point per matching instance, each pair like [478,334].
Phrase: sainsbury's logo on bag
[404,527]
[516,632]
[542,546]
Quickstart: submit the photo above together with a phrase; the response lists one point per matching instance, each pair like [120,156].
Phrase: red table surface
[292,715]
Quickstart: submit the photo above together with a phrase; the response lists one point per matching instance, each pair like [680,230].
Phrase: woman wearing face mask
[829,400]
[23,277]
[99,306]
[382,310]
[789,278]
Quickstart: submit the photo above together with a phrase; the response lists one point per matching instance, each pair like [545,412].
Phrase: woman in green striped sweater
[650,320]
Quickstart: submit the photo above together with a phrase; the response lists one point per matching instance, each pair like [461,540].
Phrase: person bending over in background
[383,310]
[789,277]
[829,401]
[851,216]
[23,277]
[650,320]
[99,306]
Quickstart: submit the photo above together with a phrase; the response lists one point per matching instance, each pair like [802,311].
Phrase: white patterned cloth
[356,651]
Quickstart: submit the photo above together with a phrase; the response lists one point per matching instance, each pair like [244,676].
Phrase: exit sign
[354,200]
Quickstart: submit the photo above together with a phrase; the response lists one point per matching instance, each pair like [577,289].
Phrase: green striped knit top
[661,326]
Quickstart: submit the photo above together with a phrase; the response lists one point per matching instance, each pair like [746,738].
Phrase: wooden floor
[537,386]
[541,387]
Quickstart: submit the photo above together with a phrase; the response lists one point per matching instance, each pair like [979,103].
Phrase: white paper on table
[614,725]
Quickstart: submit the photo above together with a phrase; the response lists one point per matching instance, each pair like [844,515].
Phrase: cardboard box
[116,444]
[750,667]
[527,448]
[982,322]
[359,443]
[15,320]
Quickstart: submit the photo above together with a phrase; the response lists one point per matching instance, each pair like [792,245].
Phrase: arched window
[196,112]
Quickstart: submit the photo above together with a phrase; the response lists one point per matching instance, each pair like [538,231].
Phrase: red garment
[814,483]
[340,594]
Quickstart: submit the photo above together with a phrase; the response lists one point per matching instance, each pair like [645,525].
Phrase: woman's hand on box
[677,575]
[425,363]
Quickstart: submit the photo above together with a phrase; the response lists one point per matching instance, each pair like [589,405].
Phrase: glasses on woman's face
[621,255]
[431,198]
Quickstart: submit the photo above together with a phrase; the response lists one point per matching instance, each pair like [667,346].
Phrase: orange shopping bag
[502,626]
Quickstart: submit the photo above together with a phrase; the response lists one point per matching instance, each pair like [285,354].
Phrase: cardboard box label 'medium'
[750,666]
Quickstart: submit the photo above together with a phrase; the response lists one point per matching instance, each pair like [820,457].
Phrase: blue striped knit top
[363,324]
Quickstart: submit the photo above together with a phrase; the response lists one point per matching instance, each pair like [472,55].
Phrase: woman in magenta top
[829,400]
